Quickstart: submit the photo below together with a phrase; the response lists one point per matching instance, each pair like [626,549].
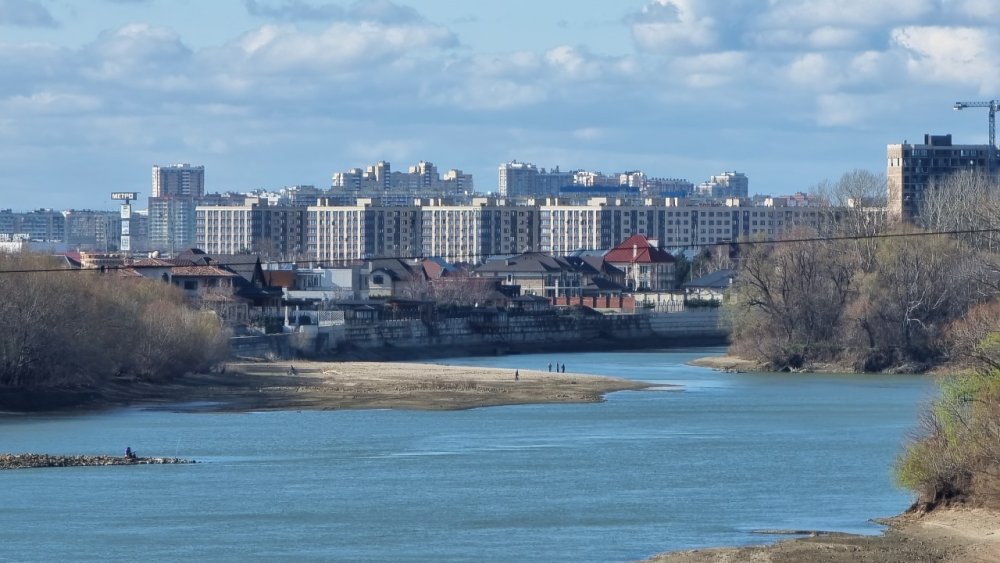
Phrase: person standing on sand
[550,367]
[517,376]
[564,368]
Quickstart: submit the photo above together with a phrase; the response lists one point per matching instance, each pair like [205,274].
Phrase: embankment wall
[414,339]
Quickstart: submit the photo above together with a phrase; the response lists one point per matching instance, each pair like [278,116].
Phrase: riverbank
[728,363]
[948,535]
[332,385]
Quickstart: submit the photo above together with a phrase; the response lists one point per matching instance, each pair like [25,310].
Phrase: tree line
[84,327]
[872,294]
[863,291]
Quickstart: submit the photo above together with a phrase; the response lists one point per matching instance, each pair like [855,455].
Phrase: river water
[643,472]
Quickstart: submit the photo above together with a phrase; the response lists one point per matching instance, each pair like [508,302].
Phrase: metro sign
[127,196]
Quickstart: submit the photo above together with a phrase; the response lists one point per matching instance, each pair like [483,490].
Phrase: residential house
[599,278]
[535,273]
[711,287]
[646,267]
[251,283]
[396,278]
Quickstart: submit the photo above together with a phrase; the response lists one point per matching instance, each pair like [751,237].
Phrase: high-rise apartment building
[171,223]
[276,231]
[471,233]
[93,230]
[523,179]
[420,180]
[725,185]
[363,230]
[488,227]
[174,194]
[517,179]
[178,180]
[46,225]
[911,168]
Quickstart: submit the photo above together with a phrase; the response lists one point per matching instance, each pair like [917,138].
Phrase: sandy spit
[366,385]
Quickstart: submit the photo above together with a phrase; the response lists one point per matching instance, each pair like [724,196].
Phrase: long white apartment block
[471,233]
[364,230]
[225,229]
[497,226]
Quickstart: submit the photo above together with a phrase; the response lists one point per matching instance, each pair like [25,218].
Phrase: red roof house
[646,267]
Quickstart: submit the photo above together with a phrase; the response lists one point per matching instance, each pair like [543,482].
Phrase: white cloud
[814,71]
[942,54]
[830,37]
[48,102]
[842,110]
[282,48]
[674,25]
[127,54]
[711,70]
[863,13]
[573,63]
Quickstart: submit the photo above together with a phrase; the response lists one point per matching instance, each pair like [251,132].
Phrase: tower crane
[993,106]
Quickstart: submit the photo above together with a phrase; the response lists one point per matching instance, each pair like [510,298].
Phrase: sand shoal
[366,385]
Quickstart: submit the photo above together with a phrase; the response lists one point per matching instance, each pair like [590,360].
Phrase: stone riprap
[24,461]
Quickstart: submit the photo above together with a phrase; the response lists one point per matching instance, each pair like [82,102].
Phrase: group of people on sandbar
[129,454]
[560,368]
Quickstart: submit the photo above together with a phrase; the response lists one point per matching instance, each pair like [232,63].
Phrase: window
[378,279]
[190,285]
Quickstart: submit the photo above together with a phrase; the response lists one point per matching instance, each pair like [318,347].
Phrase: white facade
[363,230]
[472,233]
[225,230]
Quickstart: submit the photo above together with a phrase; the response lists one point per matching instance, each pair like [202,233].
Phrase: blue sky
[267,93]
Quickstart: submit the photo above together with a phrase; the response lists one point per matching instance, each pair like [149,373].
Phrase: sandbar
[299,385]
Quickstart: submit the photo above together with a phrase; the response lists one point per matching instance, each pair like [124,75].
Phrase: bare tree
[789,298]
[968,200]
[82,327]
[857,210]
[919,285]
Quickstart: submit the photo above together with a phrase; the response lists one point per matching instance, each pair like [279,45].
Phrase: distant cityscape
[376,212]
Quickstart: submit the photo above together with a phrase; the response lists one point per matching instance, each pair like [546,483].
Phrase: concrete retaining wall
[400,339]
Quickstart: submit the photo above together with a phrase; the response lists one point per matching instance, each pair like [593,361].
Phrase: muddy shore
[947,535]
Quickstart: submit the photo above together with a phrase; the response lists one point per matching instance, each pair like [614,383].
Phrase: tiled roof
[637,250]
[150,263]
[201,272]
[719,279]
[397,269]
[127,272]
[532,262]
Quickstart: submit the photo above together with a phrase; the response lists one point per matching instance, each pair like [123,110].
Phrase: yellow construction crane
[993,105]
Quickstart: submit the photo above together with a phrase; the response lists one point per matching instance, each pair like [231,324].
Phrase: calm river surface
[644,472]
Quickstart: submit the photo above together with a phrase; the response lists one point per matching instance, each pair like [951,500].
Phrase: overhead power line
[736,243]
